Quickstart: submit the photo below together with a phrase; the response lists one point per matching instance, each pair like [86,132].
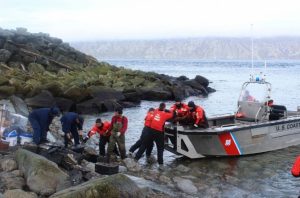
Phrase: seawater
[261,175]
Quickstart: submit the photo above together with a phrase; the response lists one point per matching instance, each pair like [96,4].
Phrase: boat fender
[296,168]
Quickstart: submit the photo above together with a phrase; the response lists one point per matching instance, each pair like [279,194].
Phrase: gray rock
[131,165]
[185,185]
[182,168]
[164,179]
[19,193]
[118,185]
[8,164]
[122,169]
[20,106]
[42,176]
[44,99]
[4,55]
[17,173]
[9,181]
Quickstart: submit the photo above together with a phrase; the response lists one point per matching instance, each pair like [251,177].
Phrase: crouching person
[118,128]
[40,120]
[71,122]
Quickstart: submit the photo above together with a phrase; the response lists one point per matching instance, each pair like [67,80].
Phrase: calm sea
[262,175]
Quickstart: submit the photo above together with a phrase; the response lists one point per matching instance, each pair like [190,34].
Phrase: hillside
[194,48]
[44,71]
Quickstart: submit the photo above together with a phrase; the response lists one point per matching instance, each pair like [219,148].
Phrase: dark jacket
[68,122]
[43,116]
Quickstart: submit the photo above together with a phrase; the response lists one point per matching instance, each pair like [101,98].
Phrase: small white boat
[256,127]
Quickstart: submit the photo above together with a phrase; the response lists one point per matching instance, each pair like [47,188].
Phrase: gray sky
[74,20]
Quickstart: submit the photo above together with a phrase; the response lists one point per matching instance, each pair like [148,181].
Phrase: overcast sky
[75,20]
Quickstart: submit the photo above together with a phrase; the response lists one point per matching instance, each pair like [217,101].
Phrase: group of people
[113,133]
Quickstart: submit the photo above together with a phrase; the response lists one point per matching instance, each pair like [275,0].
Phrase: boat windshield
[254,92]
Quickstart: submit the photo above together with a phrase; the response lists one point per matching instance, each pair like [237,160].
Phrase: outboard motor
[277,112]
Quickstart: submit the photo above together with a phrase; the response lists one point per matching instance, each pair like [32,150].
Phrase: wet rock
[64,104]
[55,88]
[118,185]
[182,168]
[105,93]
[122,169]
[182,78]
[4,55]
[9,181]
[19,193]
[156,93]
[152,175]
[132,95]
[132,165]
[20,106]
[202,80]
[164,179]
[44,99]
[185,185]
[8,164]
[42,176]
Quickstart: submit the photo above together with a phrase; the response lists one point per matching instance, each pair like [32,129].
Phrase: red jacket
[159,119]
[182,111]
[101,130]
[198,115]
[149,118]
[117,119]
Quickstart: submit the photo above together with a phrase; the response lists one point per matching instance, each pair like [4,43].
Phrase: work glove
[118,134]
[195,125]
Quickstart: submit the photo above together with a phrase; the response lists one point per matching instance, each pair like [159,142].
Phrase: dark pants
[38,133]
[75,135]
[158,138]
[102,142]
[139,143]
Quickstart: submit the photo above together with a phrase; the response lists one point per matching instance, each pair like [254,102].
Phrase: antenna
[252,47]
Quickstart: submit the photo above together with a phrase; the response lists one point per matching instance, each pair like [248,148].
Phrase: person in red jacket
[156,133]
[102,128]
[197,115]
[117,128]
[181,109]
[148,120]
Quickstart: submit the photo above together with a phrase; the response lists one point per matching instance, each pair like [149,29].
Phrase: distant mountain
[194,48]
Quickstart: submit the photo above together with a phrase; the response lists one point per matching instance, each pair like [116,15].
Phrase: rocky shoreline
[44,71]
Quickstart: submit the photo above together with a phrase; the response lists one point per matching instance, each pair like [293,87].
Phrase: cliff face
[196,48]
[45,72]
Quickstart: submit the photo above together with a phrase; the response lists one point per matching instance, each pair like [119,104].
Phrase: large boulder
[36,68]
[4,55]
[8,181]
[118,185]
[3,80]
[105,93]
[42,176]
[8,164]
[20,106]
[95,105]
[19,193]
[202,80]
[64,104]
[156,93]
[76,93]
[44,99]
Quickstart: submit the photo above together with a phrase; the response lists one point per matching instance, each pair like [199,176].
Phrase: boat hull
[233,140]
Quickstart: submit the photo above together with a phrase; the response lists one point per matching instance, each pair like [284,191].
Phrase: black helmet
[98,120]
[191,104]
[119,110]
